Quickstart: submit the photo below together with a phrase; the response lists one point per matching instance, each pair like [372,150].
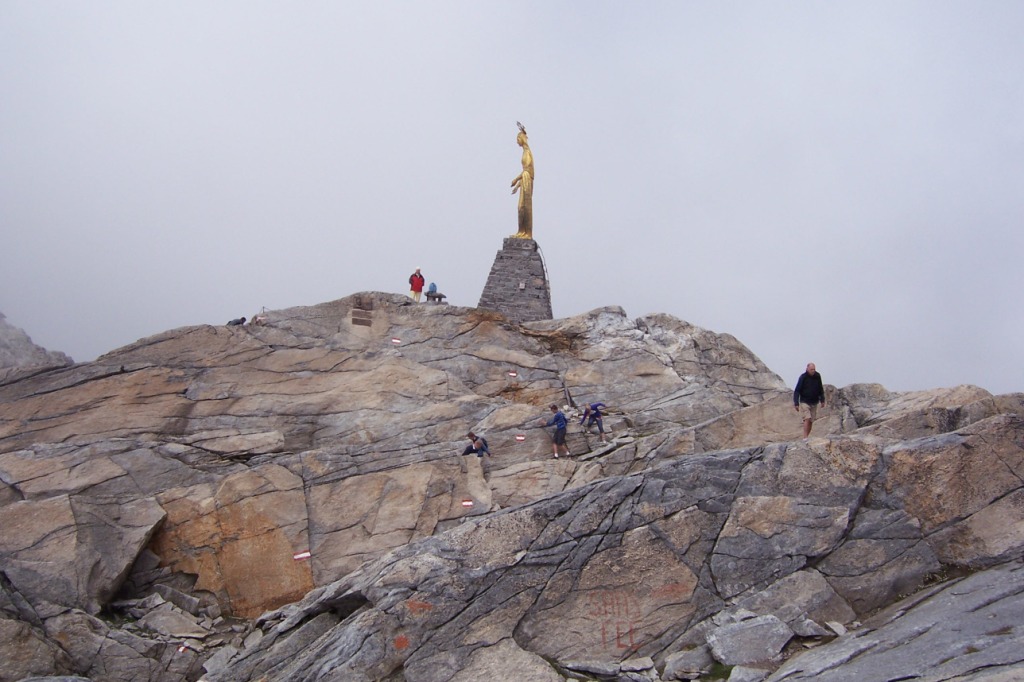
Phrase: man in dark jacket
[809,393]
[477,446]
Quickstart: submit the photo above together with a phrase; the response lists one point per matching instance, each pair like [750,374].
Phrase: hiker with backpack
[477,445]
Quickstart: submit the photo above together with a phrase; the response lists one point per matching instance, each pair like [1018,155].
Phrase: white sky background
[840,183]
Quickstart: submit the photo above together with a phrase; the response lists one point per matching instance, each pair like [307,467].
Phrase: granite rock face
[288,501]
[639,565]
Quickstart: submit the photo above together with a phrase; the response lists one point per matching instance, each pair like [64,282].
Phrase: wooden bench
[435,297]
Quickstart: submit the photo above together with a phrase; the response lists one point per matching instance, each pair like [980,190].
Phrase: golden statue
[524,185]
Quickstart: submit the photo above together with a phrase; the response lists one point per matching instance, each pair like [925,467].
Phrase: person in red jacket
[416,285]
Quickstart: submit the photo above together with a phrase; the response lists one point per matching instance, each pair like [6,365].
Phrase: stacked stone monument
[518,285]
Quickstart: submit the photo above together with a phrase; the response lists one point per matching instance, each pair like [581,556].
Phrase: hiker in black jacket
[476,445]
[809,393]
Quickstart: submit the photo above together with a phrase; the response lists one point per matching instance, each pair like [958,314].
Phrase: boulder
[804,600]
[749,640]
[73,551]
[688,664]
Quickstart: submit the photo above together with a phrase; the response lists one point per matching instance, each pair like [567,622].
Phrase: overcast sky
[833,182]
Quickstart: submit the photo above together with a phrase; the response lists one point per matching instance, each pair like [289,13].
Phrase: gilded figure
[524,185]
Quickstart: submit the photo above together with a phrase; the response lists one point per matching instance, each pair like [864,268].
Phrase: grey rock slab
[252,639]
[950,632]
[686,664]
[593,667]
[502,660]
[39,550]
[769,537]
[25,651]
[744,674]
[219,660]
[185,602]
[803,600]
[870,573]
[651,676]
[284,656]
[942,479]
[637,664]
[749,641]
[992,535]
[103,652]
[170,621]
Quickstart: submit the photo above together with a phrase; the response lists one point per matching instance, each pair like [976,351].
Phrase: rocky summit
[288,500]
[20,356]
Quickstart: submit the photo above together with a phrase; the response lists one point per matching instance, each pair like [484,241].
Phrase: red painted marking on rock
[418,607]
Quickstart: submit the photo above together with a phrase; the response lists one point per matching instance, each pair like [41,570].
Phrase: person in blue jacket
[559,422]
[592,415]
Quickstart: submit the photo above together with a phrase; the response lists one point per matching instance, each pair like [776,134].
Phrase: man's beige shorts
[808,411]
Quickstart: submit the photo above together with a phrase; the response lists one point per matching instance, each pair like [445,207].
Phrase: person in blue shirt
[592,415]
[560,424]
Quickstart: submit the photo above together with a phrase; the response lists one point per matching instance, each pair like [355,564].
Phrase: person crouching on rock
[476,445]
[592,415]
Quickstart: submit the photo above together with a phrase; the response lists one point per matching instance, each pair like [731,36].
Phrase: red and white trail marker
[467,503]
[396,341]
[520,437]
[302,555]
[512,373]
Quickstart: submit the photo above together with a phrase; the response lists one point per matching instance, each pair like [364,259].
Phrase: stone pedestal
[518,284]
